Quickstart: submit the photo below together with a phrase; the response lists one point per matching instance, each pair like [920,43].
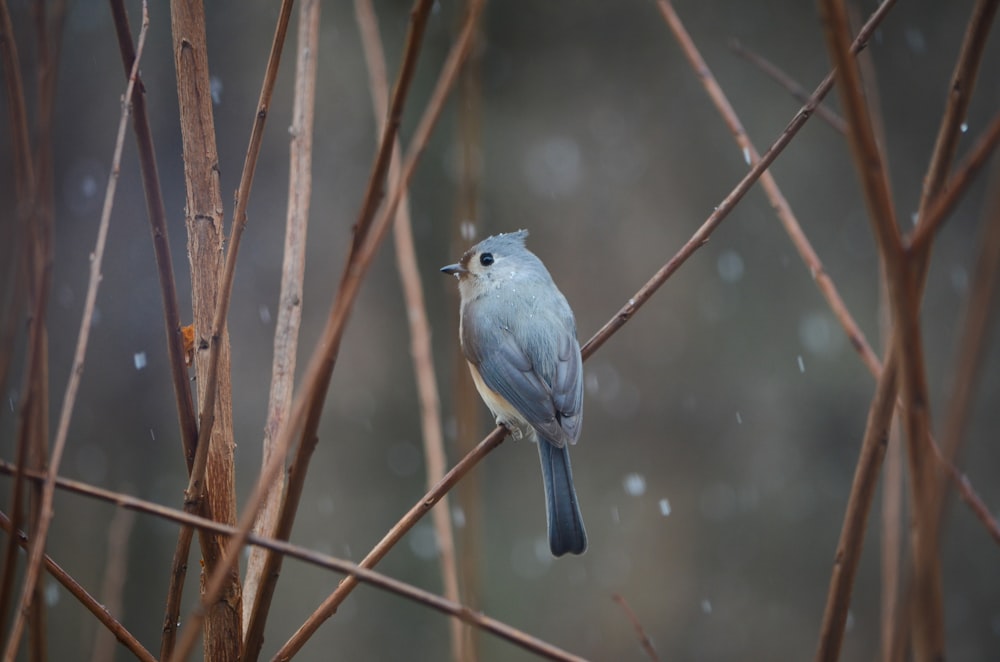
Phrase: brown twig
[354,274]
[16,111]
[873,446]
[99,610]
[892,538]
[211,483]
[778,201]
[868,162]
[156,210]
[24,188]
[790,85]
[644,641]
[226,572]
[969,496]
[263,566]
[307,407]
[37,546]
[115,573]
[973,335]
[927,626]
[416,315]
[729,202]
[24,176]
[366,576]
[949,196]
[467,408]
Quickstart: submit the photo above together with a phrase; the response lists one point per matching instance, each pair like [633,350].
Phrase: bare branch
[37,544]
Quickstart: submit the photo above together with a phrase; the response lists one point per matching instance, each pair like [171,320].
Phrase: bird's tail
[566,532]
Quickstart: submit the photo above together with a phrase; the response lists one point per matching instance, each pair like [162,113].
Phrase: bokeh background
[722,423]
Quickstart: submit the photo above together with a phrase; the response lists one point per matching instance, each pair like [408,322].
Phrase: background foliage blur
[722,423]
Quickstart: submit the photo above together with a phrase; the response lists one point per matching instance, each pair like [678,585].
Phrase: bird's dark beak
[454,269]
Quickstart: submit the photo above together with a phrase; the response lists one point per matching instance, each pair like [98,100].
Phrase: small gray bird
[519,337]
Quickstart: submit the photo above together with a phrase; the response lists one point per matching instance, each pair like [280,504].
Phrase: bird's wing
[509,369]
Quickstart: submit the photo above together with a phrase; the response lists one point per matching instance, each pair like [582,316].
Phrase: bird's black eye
[486,259]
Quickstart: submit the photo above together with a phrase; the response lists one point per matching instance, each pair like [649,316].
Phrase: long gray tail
[566,532]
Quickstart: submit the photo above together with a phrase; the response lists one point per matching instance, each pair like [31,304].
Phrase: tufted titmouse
[519,337]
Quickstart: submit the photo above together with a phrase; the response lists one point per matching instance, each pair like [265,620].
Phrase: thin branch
[416,315]
[225,572]
[307,408]
[927,626]
[790,85]
[309,556]
[90,603]
[24,178]
[263,566]
[852,532]
[969,496]
[616,322]
[16,112]
[37,547]
[973,338]
[729,202]
[354,275]
[963,82]
[778,201]
[236,235]
[115,574]
[644,641]
[952,192]
[157,213]
[466,407]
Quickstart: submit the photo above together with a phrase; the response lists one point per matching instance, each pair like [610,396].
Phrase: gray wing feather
[551,403]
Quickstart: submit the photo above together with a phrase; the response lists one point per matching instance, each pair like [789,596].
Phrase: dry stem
[37,544]
[416,315]
[92,605]
[263,566]
[361,574]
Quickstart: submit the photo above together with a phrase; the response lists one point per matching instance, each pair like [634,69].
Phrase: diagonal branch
[156,210]
[416,315]
[375,579]
[798,92]
[778,201]
[77,591]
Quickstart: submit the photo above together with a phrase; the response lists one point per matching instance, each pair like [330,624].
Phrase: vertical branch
[37,545]
[115,574]
[157,213]
[973,337]
[337,322]
[24,175]
[416,315]
[221,580]
[263,566]
[306,410]
[467,408]
[210,488]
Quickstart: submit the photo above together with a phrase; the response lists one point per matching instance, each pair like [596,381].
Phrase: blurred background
[722,423]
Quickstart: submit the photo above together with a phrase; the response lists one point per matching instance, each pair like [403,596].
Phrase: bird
[518,335]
